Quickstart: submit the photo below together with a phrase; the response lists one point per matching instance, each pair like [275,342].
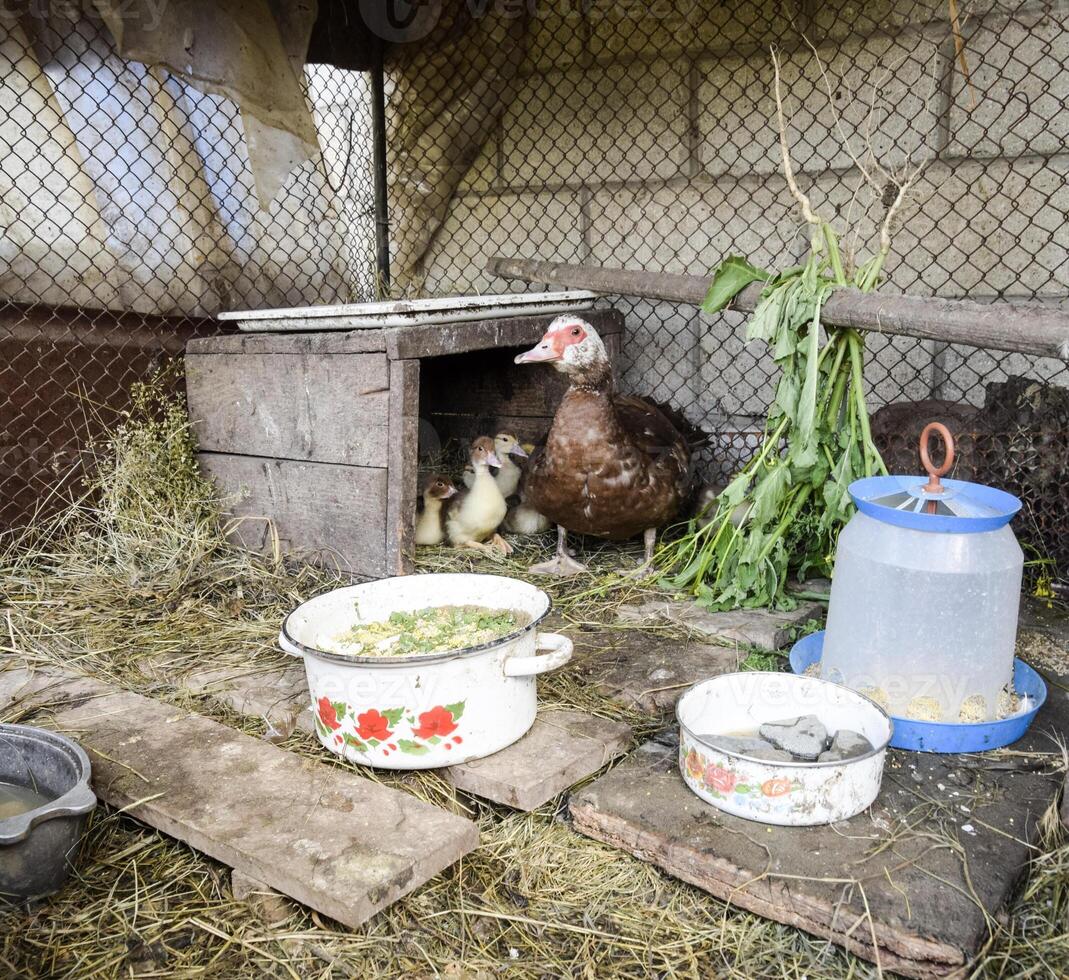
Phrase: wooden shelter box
[316,439]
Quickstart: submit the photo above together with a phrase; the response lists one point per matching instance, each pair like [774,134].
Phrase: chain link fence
[622,134]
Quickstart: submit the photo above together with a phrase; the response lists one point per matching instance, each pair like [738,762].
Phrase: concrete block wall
[643,136]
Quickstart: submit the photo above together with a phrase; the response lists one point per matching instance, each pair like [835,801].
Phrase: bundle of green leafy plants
[782,512]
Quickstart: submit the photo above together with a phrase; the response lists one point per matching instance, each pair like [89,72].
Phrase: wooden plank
[335,513]
[457,338]
[1027,328]
[326,342]
[326,407]
[561,748]
[404,465]
[912,883]
[335,841]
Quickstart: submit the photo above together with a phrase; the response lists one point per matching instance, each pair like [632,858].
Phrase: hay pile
[140,569]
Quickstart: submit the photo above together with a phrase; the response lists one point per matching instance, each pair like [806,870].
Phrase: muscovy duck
[613,465]
[476,513]
[508,474]
[436,490]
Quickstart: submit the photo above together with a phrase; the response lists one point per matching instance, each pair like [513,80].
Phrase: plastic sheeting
[123,187]
[250,51]
[445,97]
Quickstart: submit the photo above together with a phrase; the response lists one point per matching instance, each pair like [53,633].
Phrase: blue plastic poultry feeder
[934,736]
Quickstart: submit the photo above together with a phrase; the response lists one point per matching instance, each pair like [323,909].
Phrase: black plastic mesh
[633,135]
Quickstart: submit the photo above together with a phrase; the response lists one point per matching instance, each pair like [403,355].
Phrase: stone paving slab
[922,920]
[342,844]
[646,671]
[562,747]
[763,629]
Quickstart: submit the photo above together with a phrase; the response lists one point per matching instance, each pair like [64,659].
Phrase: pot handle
[560,652]
[288,647]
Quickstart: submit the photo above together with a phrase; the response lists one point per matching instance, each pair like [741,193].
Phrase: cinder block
[737,117]
[555,35]
[661,358]
[478,227]
[619,28]
[738,378]
[843,18]
[976,226]
[481,175]
[618,122]
[1020,80]
[690,226]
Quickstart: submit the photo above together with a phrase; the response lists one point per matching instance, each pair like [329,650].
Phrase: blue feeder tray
[940,736]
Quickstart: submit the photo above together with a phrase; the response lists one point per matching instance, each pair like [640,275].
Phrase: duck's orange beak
[544,350]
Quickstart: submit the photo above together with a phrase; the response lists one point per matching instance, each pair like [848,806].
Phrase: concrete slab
[342,844]
[911,884]
[761,628]
[561,748]
[647,671]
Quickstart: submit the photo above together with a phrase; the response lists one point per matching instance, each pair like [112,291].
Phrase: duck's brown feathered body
[612,466]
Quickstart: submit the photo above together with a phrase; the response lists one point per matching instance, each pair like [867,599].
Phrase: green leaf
[456,710]
[412,748]
[393,715]
[731,277]
[354,742]
[340,708]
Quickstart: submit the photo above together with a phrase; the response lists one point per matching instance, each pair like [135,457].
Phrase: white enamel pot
[793,793]
[423,710]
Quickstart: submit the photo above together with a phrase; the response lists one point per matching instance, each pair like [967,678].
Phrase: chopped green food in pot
[431,630]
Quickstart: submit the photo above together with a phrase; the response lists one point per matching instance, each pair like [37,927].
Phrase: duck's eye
[576,331]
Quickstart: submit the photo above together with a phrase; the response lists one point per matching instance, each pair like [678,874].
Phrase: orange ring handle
[934,472]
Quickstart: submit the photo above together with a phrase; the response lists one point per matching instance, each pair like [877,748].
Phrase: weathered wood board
[909,884]
[316,509]
[329,838]
[331,408]
[403,460]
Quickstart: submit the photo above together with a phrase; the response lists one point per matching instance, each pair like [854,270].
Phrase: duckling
[476,513]
[429,528]
[507,478]
[524,519]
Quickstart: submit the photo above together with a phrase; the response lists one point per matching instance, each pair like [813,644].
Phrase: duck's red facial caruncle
[568,341]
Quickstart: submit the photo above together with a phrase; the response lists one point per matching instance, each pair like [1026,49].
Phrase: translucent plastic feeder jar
[924,599]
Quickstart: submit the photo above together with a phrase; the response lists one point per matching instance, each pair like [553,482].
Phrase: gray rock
[752,747]
[847,744]
[804,738]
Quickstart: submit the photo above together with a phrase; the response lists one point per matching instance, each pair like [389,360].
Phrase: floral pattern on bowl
[717,777]
[387,730]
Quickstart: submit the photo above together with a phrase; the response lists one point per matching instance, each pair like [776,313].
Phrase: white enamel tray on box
[399,313]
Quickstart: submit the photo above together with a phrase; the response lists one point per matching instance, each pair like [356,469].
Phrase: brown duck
[613,465]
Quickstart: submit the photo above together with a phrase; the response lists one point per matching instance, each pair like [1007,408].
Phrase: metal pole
[378,139]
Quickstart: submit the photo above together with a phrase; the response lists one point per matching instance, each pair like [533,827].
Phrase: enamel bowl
[792,793]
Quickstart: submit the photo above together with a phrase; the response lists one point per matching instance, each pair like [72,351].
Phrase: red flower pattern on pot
[373,724]
[328,715]
[437,721]
[722,780]
[694,764]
